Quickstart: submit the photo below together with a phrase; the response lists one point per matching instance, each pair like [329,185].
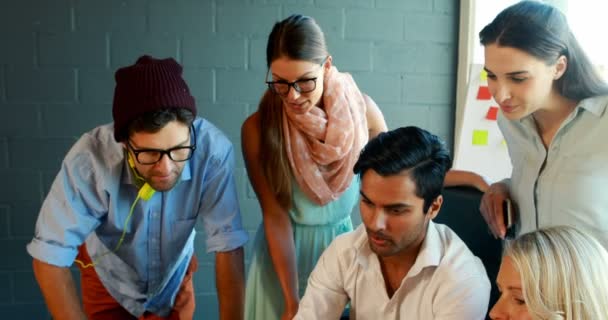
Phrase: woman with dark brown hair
[553,117]
[300,148]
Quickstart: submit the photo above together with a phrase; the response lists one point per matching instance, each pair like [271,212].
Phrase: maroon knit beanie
[147,86]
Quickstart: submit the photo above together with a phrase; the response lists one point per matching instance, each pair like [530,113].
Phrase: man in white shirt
[398,264]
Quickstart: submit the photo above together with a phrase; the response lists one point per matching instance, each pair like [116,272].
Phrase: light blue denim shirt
[572,189]
[91,198]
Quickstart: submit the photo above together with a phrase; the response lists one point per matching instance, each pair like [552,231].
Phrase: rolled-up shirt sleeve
[68,214]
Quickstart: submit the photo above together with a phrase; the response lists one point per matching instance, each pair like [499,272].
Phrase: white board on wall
[481,147]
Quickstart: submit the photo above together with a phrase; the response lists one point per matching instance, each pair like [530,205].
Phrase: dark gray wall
[56,81]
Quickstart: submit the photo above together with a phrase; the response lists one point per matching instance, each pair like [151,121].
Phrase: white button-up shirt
[572,188]
[446,282]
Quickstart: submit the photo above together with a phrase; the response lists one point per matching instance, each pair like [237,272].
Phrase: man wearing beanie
[125,203]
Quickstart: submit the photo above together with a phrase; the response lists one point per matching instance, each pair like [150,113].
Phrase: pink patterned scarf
[323,144]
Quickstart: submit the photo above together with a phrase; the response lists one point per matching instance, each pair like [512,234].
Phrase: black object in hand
[509,219]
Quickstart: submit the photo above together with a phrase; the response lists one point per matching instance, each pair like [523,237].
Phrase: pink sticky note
[492,113]
[483,93]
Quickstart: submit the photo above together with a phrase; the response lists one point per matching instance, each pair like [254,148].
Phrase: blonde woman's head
[553,273]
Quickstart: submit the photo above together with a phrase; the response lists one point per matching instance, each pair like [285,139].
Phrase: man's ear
[129,155]
[435,207]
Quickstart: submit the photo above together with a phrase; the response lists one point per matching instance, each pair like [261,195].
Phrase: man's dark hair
[411,149]
[153,122]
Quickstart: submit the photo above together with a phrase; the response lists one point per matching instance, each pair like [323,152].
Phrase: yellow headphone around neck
[145,192]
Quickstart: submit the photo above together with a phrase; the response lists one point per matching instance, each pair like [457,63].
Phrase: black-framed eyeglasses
[281,87]
[177,154]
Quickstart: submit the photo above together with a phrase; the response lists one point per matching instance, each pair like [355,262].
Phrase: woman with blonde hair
[553,273]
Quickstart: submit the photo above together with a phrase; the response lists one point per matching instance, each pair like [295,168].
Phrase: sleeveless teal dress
[314,227]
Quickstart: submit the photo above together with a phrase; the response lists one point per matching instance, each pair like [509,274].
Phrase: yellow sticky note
[483,75]
[480,137]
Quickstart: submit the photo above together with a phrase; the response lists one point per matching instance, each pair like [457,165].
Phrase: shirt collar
[430,251]
[595,105]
